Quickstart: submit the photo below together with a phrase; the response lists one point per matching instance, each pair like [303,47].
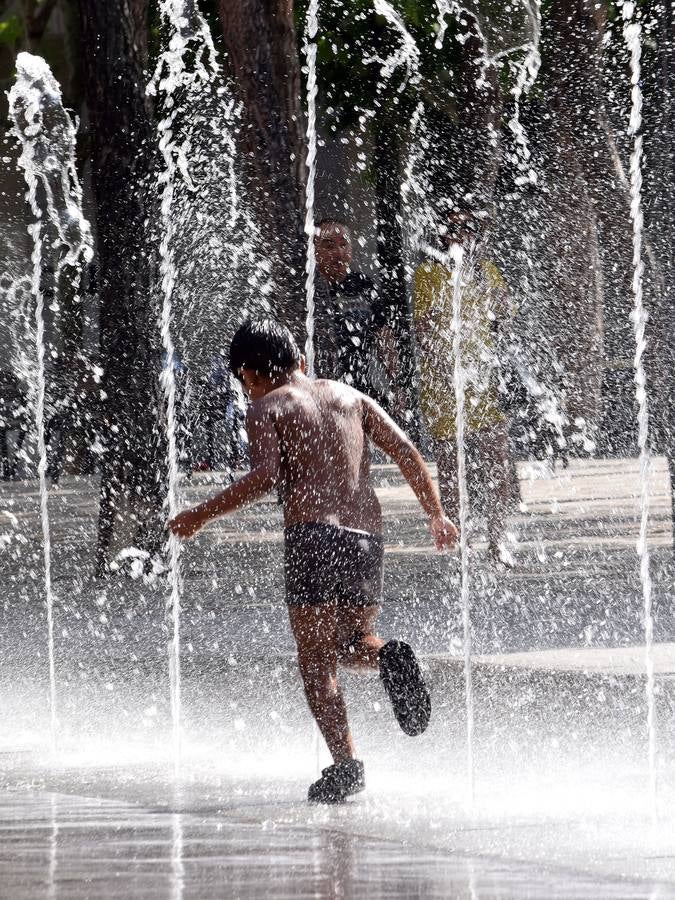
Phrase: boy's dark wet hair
[330,220]
[264,345]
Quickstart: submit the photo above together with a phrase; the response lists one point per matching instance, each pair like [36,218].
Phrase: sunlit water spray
[408,54]
[633,38]
[528,71]
[62,238]
[544,398]
[309,49]
[488,59]
[413,188]
[189,34]
[452,8]
[177,861]
[457,262]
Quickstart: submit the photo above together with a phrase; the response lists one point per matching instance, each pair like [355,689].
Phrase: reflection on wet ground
[55,844]
[560,715]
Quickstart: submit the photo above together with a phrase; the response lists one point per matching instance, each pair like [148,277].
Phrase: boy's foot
[404,684]
[338,782]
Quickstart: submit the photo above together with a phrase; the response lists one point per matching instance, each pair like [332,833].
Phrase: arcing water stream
[61,236]
[408,54]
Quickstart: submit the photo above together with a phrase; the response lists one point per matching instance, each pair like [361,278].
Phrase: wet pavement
[100,833]
[561,807]
[98,836]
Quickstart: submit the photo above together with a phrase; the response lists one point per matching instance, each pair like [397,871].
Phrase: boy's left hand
[186,524]
[444,532]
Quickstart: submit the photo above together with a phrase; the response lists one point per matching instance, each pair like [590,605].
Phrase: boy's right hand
[187,523]
[444,532]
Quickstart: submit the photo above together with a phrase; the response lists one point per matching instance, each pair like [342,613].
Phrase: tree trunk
[479,103]
[133,470]
[577,170]
[263,60]
[36,17]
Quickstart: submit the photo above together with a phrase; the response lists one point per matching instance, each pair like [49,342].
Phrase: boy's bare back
[314,434]
[309,441]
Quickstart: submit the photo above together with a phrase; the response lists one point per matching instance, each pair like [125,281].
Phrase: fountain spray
[457,261]
[61,234]
[188,32]
[527,75]
[408,54]
[633,37]
[309,49]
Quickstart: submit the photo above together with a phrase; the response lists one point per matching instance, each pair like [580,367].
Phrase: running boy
[309,440]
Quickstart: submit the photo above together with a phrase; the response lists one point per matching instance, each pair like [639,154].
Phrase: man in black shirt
[354,342]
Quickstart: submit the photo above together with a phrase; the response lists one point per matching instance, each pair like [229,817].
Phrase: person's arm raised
[386,434]
[264,474]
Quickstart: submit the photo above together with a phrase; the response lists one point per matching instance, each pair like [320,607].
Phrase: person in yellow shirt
[483,308]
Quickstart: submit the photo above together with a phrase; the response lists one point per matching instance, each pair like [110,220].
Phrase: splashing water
[48,138]
[414,186]
[456,262]
[309,47]
[447,8]
[633,39]
[408,54]
[16,305]
[527,75]
[211,212]
[231,169]
[544,398]
[189,31]
[177,861]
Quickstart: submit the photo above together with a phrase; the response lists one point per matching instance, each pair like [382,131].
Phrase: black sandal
[404,684]
[338,782]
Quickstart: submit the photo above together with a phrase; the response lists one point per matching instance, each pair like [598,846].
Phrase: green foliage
[11,31]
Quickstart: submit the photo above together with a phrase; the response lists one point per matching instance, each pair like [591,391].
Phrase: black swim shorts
[329,564]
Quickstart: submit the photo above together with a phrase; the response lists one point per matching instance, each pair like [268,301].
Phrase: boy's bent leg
[399,670]
[316,636]
[358,645]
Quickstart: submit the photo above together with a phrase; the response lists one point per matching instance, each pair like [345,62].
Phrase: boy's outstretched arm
[386,434]
[264,474]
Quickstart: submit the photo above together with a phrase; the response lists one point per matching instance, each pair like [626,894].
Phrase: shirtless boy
[309,440]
